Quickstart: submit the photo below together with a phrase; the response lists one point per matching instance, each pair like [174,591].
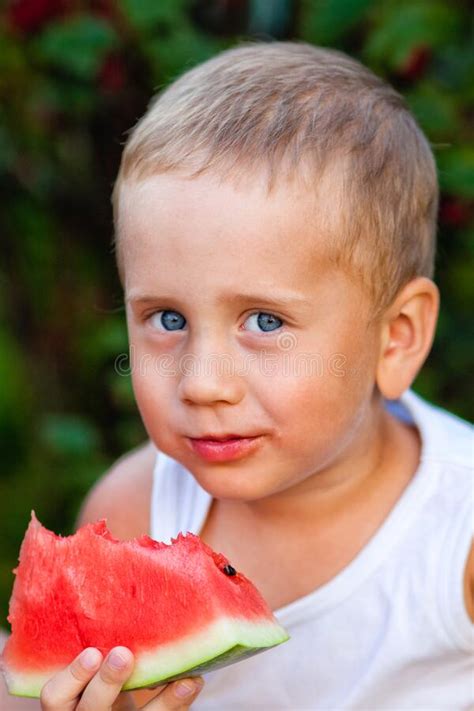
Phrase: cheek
[150,382]
[151,392]
[317,403]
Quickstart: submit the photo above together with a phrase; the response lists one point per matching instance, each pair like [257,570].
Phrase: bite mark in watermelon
[181,608]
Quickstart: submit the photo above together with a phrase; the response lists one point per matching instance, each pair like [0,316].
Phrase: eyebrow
[288,300]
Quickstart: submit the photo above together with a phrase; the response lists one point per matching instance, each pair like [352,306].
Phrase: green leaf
[463,288]
[61,95]
[145,15]
[435,110]
[179,52]
[326,21]
[17,398]
[456,171]
[7,149]
[454,66]
[77,45]
[38,265]
[120,385]
[70,435]
[131,432]
[12,58]
[405,26]
[103,340]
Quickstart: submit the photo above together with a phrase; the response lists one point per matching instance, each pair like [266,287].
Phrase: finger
[124,702]
[105,687]
[143,695]
[62,691]
[177,696]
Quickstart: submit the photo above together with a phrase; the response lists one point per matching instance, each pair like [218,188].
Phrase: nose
[210,378]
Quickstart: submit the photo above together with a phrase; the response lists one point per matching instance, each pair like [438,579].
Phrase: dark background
[74,76]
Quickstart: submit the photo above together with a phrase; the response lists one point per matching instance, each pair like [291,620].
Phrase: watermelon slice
[181,608]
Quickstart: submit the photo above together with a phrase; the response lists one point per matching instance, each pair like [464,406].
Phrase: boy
[275,219]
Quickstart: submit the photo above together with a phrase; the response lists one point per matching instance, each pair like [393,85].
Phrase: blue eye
[267,322]
[169,320]
[173,321]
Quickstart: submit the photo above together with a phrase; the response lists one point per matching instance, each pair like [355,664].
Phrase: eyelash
[148,317]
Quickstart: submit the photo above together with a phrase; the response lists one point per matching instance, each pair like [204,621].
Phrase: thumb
[177,696]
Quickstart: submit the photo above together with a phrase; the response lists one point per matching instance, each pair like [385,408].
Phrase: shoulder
[446,437]
[122,494]
[451,447]
[447,448]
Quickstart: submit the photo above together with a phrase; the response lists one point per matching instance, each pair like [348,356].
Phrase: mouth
[224,448]
[222,438]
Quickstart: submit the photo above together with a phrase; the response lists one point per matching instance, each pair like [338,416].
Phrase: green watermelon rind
[224,642]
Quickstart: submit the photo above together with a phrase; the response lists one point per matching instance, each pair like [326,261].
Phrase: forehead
[179,232]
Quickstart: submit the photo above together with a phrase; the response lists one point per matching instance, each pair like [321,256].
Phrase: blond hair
[293,104]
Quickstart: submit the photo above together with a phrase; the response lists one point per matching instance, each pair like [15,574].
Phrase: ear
[407,332]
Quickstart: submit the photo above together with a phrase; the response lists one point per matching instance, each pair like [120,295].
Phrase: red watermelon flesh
[180,607]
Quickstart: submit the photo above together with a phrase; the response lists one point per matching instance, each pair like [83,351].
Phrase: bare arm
[469,585]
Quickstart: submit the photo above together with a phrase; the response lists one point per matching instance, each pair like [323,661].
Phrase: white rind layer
[177,658]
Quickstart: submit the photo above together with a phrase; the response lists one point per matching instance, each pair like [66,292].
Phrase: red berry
[416,63]
[30,15]
[454,213]
[112,74]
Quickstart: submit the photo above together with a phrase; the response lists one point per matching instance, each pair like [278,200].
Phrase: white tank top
[390,631]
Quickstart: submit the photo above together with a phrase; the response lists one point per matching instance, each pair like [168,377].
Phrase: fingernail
[90,658]
[116,660]
[186,688]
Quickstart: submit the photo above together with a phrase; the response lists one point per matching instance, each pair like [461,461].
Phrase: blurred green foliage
[74,76]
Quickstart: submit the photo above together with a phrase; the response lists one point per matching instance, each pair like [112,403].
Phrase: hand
[96,687]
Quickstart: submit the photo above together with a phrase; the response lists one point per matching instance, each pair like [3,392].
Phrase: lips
[222,450]
[223,438]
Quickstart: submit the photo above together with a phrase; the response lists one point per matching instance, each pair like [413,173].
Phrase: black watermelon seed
[229,570]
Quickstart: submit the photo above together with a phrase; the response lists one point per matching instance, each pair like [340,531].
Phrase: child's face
[211,354]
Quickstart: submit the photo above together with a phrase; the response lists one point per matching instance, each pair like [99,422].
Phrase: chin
[227,482]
